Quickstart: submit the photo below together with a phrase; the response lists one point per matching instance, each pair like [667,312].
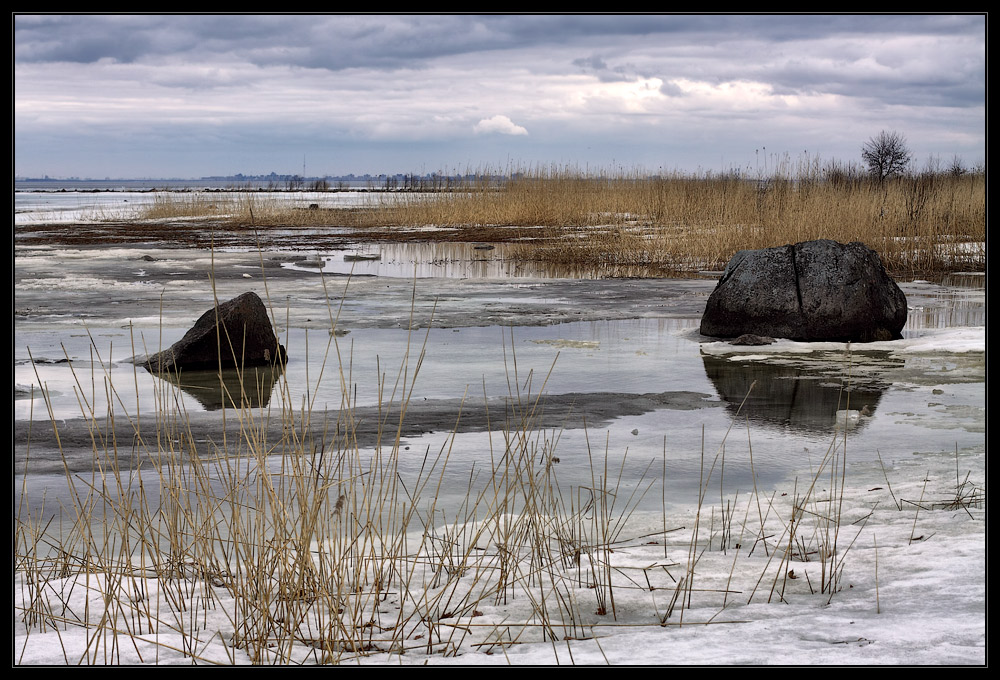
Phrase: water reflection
[249,388]
[791,396]
[957,299]
[451,260]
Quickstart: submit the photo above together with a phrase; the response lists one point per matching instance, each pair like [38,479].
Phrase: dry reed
[660,225]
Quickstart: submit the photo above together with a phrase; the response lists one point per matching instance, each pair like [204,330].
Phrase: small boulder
[245,337]
[811,291]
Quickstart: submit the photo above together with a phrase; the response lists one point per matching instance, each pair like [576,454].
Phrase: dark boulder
[811,291]
[245,337]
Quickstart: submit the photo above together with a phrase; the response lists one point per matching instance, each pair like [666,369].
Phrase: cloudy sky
[195,95]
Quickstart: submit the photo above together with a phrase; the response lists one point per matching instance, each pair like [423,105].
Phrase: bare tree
[886,155]
[957,167]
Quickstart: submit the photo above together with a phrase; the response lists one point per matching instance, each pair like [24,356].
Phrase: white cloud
[499,124]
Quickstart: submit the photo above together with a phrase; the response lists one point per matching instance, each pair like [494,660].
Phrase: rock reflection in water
[788,396]
[213,391]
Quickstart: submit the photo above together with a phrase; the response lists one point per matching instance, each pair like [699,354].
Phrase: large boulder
[245,337]
[816,290]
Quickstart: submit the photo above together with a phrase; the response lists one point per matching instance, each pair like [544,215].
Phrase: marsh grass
[662,224]
[306,548]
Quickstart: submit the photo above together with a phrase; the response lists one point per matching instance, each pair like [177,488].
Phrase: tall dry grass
[677,223]
[915,224]
[311,549]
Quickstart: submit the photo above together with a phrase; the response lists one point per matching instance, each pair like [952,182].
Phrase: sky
[163,96]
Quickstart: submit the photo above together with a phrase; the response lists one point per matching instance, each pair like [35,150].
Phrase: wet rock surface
[751,339]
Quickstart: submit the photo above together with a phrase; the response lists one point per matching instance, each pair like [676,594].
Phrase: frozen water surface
[927,388]
[624,358]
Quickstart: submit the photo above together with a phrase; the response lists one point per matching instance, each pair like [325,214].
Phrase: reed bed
[667,225]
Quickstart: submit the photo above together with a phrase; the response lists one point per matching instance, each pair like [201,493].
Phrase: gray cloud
[671,89]
[342,41]
[594,63]
[647,87]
